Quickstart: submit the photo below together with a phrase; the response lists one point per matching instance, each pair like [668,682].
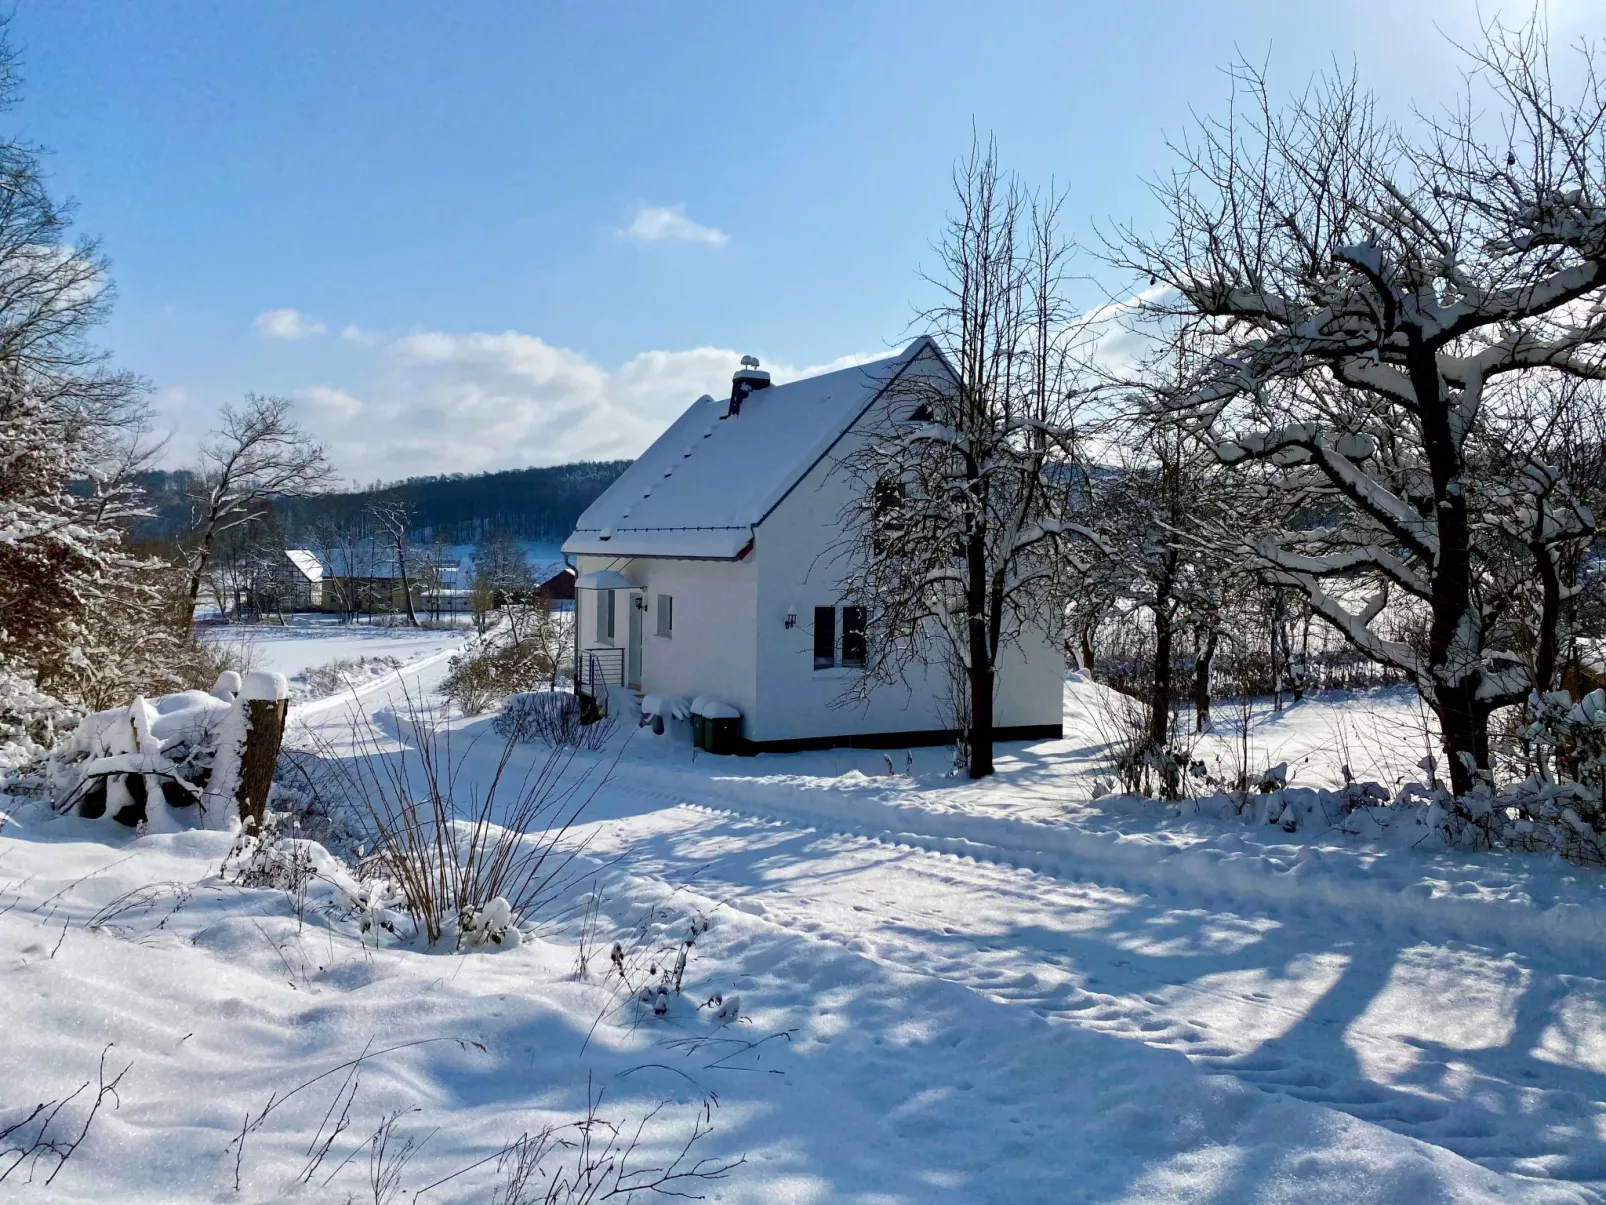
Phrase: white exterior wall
[797,569]
[731,642]
[712,649]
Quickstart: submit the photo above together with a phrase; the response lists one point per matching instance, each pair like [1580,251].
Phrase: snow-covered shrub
[269,860]
[1139,765]
[314,877]
[345,672]
[540,715]
[31,722]
[552,717]
[491,925]
[1561,806]
[494,666]
[452,830]
[307,802]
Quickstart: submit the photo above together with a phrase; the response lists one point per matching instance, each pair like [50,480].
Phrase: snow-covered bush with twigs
[470,858]
[1561,806]
[551,717]
[343,673]
[31,722]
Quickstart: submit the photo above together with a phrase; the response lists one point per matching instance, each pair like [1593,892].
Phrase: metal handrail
[601,667]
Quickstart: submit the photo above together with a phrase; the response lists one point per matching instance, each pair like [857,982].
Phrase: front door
[633,648]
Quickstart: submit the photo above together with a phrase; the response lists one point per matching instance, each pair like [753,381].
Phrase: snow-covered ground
[312,641]
[948,991]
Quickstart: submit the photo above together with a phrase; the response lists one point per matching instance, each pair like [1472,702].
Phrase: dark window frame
[824,627]
[855,644]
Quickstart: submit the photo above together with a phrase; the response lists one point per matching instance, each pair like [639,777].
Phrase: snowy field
[312,641]
[1004,992]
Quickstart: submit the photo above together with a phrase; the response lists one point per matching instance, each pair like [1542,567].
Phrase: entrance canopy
[604,579]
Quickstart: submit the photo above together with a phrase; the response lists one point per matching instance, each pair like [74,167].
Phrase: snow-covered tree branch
[258,452]
[966,512]
[1365,304]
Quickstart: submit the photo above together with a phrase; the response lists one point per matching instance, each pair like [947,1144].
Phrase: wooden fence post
[267,705]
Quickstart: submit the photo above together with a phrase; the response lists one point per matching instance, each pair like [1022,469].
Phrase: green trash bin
[699,732]
[724,733]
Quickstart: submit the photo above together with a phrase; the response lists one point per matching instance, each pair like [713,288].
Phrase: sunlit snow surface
[999,992]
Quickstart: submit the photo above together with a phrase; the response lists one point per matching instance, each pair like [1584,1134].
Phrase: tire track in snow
[1210,881]
[1138,1007]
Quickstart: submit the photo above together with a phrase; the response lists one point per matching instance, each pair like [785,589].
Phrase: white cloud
[669,224]
[286,324]
[447,402]
[329,400]
[355,334]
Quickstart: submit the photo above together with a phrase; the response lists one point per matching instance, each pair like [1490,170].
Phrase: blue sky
[486,235]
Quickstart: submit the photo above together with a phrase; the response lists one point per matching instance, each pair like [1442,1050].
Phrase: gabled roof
[373,562]
[306,561]
[705,483]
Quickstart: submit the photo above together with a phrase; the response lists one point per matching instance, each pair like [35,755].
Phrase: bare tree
[346,548]
[1360,299]
[257,453]
[963,508]
[395,521]
[1159,513]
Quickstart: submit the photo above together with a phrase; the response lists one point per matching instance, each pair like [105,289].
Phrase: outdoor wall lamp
[791,617]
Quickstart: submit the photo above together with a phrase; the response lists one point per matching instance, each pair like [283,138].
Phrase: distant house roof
[708,481]
[557,585]
[306,562]
[370,563]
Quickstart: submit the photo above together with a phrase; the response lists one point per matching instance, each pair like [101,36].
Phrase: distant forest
[533,504]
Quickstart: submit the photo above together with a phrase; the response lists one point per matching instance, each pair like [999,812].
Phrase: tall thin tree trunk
[1464,722]
[1202,666]
[981,664]
[981,719]
[407,589]
[1545,657]
[1160,691]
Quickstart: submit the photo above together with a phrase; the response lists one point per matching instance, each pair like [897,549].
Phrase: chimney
[749,379]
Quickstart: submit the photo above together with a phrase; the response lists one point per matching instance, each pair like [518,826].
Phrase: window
[853,641]
[854,650]
[824,637]
[886,512]
[605,614]
[666,615]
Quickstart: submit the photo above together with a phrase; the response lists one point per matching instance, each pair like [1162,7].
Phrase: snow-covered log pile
[171,762]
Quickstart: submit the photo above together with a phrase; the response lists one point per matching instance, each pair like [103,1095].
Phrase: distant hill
[534,504]
[538,504]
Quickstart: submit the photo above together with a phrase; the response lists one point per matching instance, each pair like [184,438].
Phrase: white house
[712,567]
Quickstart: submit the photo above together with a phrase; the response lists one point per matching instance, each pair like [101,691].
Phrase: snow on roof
[707,481]
[371,561]
[305,560]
